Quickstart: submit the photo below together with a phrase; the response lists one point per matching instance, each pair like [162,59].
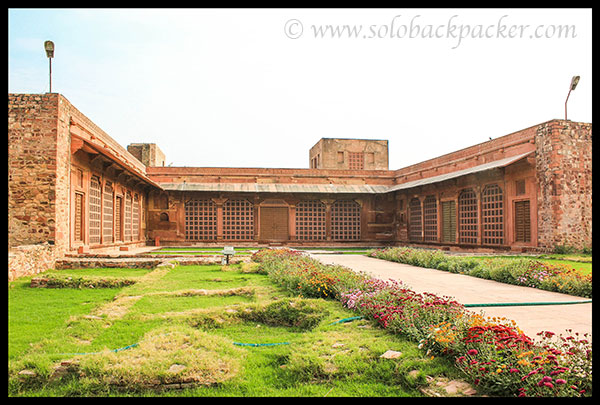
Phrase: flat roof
[335,188]
[277,188]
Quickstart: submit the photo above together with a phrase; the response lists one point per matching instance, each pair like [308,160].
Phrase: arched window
[238,220]
[95,210]
[107,231]
[200,220]
[127,222]
[310,220]
[467,217]
[492,215]
[415,218]
[430,224]
[135,217]
[345,220]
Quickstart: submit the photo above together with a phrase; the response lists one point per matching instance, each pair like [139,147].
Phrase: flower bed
[525,272]
[493,353]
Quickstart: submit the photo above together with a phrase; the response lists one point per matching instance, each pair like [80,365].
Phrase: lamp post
[49,47]
[574,82]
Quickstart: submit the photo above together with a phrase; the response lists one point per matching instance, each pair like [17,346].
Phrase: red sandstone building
[72,185]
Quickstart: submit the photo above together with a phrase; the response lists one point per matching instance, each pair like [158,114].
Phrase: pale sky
[259,87]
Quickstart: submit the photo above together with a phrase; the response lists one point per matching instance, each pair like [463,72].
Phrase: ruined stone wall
[564,176]
[30,259]
[32,168]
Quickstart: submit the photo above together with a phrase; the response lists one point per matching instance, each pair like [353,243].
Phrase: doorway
[274,223]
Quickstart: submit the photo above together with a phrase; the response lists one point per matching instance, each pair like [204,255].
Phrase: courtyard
[152,331]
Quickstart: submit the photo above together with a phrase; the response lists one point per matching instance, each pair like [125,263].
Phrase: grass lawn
[187,250]
[183,322]
[246,251]
[583,264]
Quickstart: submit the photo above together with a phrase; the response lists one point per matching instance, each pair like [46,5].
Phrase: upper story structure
[349,154]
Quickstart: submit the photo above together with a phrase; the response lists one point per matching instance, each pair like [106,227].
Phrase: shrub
[526,272]
[79,282]
[564,249]
[302,314]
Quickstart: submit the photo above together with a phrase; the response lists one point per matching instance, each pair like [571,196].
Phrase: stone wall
[564,175]
[30,259]
[32,164]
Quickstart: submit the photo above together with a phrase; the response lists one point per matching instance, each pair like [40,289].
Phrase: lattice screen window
[415,214]
[492,215]
[78,220]
[467,217]
[95,210]
[238,220]
[200,220]
[356,160]
[345,220]
[430,223]
[107,222]
[135,217]
[310,220]
[127,222]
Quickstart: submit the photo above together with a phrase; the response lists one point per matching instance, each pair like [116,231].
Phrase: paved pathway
[473,290]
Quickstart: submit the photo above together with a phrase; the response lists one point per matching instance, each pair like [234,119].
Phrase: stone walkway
[472,290]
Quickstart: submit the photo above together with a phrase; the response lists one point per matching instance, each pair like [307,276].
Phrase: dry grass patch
[202,292]
[117,308]
[175,355]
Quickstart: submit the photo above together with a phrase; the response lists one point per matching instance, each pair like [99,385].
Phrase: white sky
[230,88]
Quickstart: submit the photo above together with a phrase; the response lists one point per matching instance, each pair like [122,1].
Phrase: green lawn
[184,330]
[582,264]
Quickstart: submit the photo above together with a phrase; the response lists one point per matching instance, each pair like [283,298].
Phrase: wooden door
[118,218]
[448,221]
[78,229]
[522,222]
[274,223]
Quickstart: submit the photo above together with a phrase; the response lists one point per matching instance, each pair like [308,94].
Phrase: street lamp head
[49,47]
[574,82]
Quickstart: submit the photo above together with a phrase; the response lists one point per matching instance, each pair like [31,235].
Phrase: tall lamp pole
[49,47]
[574,82]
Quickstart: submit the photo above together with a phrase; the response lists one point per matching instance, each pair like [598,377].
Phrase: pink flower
[560,381]
[514,370]
[472,352]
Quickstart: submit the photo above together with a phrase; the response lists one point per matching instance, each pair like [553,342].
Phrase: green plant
[529,272]
[564,249]
[298,313]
